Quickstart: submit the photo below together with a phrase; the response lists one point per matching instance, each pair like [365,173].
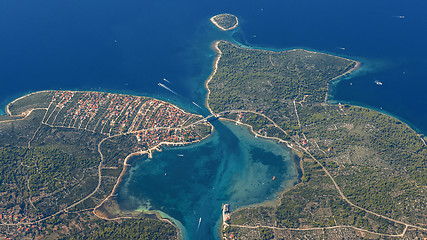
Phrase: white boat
[198,226]
[378,82]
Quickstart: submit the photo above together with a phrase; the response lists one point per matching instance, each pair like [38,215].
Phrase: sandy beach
[212,19]
[215,68]
[358,64]
[218,51]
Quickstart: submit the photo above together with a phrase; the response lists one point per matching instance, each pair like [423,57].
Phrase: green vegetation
[225,21]
[34,100]
[315,204]
[37,173]
[47,168]
[288,213]
[266,233]
[263,80]
[378,162]
[62,153]
[126,229]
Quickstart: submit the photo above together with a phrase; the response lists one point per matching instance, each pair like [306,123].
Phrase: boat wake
[400,17]
[198,226]
[170,90]
[197,105]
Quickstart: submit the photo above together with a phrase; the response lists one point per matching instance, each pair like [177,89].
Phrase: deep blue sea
[130,46]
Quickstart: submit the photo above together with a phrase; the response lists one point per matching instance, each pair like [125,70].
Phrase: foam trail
[198,226]
[400,17]
[170,90]
[197,105]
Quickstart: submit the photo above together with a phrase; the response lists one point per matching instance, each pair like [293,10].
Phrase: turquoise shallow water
[131,46]
[191,183]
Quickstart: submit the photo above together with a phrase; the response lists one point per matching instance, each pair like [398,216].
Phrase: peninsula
[63,154]
[225,21]
[364,173]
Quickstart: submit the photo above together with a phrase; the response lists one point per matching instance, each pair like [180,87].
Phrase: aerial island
[63,154]
[225,21]
[363,173]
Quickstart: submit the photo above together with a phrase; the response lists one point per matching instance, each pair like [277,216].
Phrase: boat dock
[225,213]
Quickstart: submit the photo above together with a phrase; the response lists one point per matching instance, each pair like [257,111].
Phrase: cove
[191,183]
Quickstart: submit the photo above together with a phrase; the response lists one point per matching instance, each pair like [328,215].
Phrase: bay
[131,46]
[190,184]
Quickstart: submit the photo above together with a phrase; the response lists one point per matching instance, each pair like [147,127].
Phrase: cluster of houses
[153,137]
[165,115]
[62,97]
[152,120]
[9,218]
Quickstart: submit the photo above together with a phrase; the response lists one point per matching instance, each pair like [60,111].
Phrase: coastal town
[152,121]
[83,130]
